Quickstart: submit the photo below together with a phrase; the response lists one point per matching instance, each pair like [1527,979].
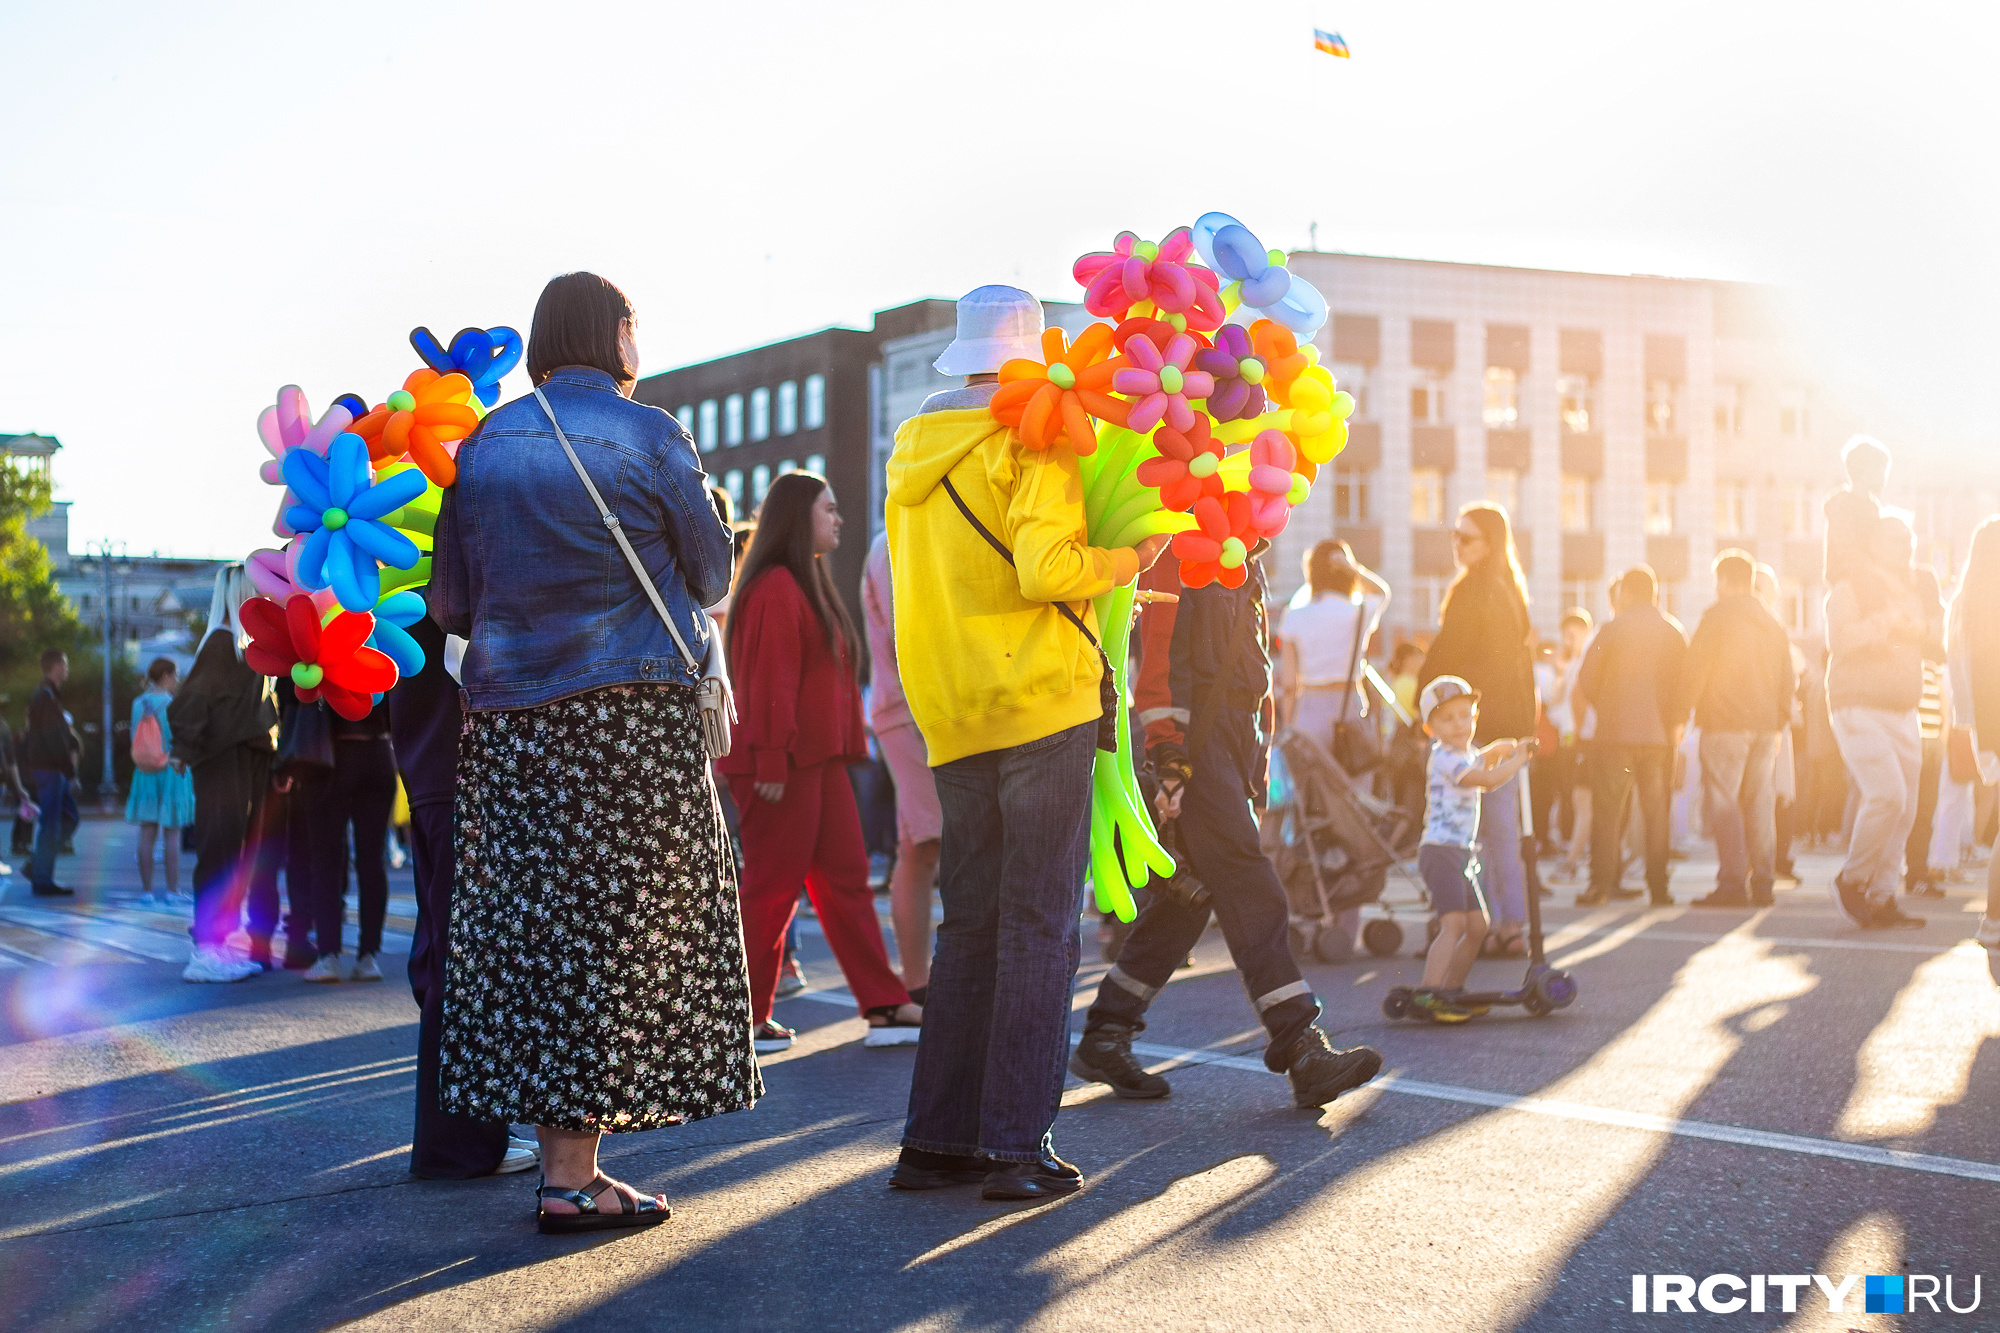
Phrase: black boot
[1049,1178]
[920,1170]
[1320,1073]
[1105,1056]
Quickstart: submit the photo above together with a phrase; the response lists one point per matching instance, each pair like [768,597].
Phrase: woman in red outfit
[791,652]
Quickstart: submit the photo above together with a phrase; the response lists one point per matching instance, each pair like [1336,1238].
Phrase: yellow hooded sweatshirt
[986,660]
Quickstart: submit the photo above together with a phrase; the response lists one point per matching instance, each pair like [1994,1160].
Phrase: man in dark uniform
[1203,690]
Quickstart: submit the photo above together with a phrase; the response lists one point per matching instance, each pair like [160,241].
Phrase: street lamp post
[107,784]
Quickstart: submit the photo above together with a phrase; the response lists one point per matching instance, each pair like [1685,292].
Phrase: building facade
[808,402]
[1619,420]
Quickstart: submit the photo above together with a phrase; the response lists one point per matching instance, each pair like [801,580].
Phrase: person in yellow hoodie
[993,575]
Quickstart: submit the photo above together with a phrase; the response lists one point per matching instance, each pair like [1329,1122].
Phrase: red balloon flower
[1218,550]
[329,661]
[1186,468]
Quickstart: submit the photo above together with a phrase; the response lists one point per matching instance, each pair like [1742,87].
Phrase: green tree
[34,614]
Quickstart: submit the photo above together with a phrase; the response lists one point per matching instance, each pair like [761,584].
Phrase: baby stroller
[1333,845]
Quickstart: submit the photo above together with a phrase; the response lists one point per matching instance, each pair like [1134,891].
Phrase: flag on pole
[1330,42]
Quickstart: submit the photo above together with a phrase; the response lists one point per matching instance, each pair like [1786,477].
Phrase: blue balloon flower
[481,355]
[340,512]
[394,615]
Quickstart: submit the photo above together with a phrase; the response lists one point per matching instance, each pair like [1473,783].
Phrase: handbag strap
[1008,556]
[618,534]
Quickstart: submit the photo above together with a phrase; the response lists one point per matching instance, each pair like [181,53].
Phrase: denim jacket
[527,573]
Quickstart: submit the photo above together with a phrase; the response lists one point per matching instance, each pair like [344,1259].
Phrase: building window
[1577,509]
[1350,496]
[1662,406]
[707,432]
[732,419]
[760,482]
[1503,396]
[760,414]
[1732,503]
[1728,408]
[1659,508]
[1793,418]
[1427,401]
[1578,399]
[1798,511]
[685,415]
[1353,377]
[1426,497]
[815,402]
[788,467]
[1503,487]
[732,481]
[788,407]
[1426,596]
[816,464]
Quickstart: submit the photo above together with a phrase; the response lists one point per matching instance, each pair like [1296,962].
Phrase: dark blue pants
[56,795]
[989,1072]
[445,1146]
[1219,839]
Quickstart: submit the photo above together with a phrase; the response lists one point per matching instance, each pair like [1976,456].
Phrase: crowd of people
[605,893]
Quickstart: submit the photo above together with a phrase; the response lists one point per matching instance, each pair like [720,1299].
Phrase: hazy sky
[200,203]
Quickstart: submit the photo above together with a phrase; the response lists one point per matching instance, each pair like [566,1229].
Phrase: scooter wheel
[1556,989]
[1396,1004]
[1382,937]
[1536,1006]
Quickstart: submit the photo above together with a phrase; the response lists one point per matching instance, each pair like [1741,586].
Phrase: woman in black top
[1485,638]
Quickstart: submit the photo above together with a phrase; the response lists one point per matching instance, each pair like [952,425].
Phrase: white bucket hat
[995,325]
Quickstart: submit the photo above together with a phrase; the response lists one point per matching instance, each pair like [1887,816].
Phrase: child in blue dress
[161,799]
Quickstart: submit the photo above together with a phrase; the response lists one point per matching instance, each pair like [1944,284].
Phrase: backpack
[149,750]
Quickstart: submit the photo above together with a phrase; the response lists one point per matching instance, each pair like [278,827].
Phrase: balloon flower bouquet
[1201,410]
[362,490]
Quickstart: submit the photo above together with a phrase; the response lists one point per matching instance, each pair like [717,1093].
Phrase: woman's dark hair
[1499,564]
[784,540]
[1330,568]
[576,324]
[160,668]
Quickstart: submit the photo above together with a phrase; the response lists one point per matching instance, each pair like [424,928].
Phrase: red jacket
[797,704]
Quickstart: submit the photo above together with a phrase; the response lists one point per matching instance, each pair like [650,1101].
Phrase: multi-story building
[806,402]
[1618,419]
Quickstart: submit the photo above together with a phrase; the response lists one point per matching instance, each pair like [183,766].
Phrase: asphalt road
[1741,1093]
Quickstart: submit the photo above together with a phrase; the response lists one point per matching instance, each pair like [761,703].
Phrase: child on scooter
[1457,772]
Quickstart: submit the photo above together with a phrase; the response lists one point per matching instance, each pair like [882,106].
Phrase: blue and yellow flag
[1330,42]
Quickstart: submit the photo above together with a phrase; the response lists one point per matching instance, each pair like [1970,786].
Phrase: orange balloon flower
[1284,360]
[429,412]
[1051,403]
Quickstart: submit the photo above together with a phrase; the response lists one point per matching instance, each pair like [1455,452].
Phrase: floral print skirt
[596,977]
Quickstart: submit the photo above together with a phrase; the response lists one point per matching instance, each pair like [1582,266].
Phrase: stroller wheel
[1382,937]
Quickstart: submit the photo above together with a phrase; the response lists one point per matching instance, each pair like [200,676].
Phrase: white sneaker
[1989,932]
[894,1034]
[324,971]
[217,965]
[365,968]
[521,1154]
[147,902]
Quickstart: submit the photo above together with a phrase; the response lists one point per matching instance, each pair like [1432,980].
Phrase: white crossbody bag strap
[716,710]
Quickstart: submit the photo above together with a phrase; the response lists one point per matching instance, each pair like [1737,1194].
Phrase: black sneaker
[1049,1178]
[1723,898]
[771,1035]
[1853,900]
[1319,1072]
[1888,916]
[920,1170]
[1105,1056]
[53,891]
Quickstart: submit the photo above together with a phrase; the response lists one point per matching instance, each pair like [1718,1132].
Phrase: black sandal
[587,1216]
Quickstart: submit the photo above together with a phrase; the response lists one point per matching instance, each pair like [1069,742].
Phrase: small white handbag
[713,696]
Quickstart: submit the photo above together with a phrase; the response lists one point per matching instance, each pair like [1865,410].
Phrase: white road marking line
[1863,1153]
[154,944]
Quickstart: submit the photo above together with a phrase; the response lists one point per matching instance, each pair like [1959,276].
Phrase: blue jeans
[56,795]
[1738,777]
[1500,869]
[989,1074]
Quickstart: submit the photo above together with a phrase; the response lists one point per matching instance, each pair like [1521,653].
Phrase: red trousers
[812,836]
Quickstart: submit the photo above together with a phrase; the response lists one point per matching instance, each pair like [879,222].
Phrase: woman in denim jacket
[596,980]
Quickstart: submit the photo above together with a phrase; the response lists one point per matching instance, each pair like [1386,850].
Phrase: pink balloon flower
[1162,383]
[287,426]
[1135,271]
